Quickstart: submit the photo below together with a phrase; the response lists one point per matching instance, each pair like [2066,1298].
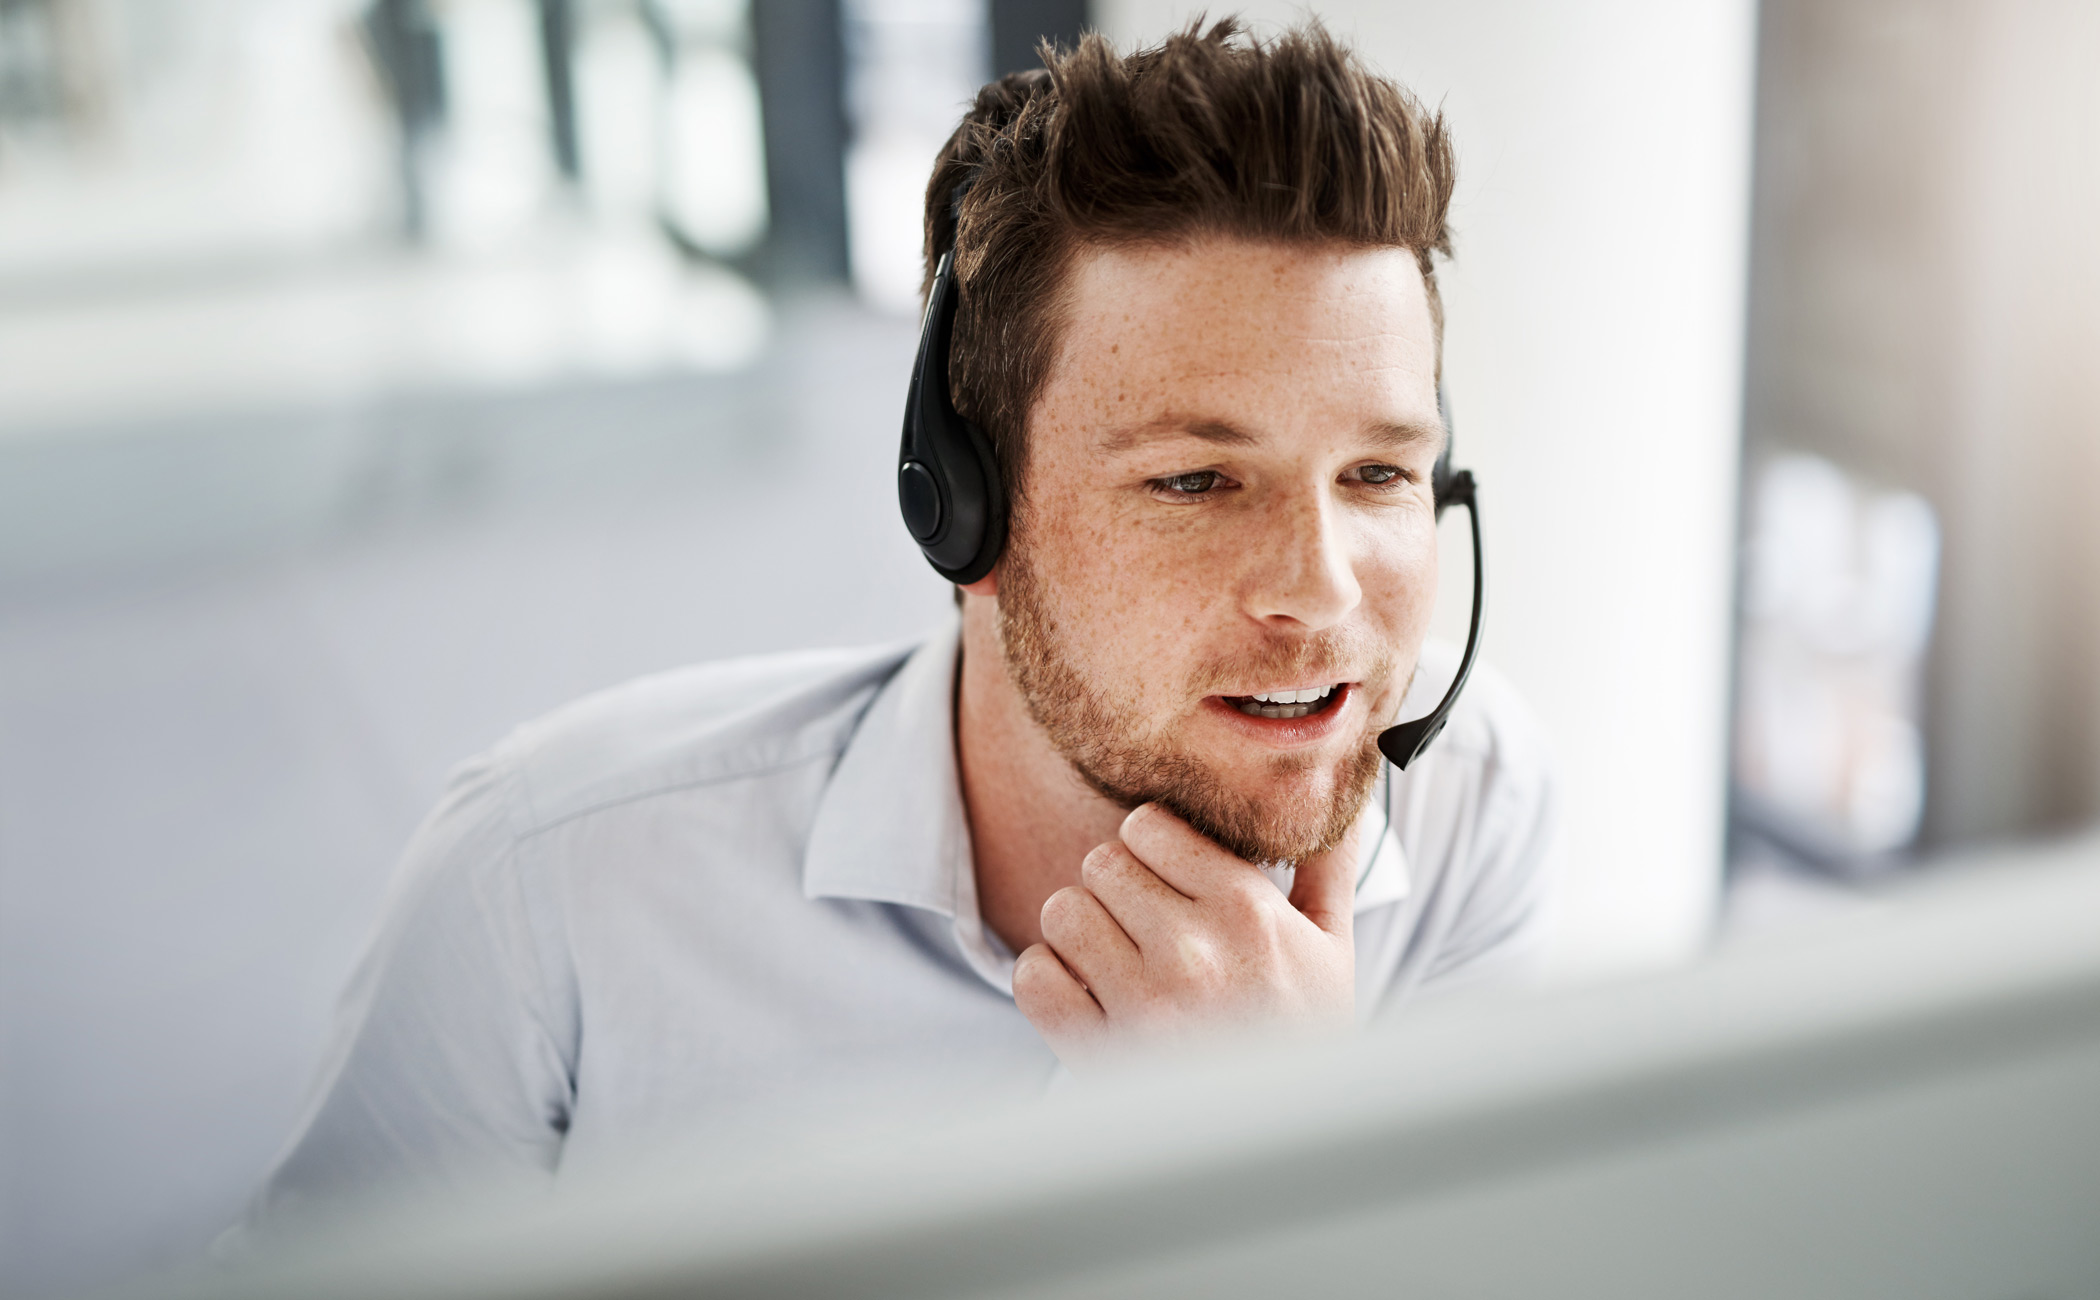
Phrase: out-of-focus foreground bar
[1899,1105]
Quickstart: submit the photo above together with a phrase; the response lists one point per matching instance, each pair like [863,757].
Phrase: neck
[1032,819]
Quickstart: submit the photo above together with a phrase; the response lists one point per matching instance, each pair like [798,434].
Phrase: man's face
[1227,494]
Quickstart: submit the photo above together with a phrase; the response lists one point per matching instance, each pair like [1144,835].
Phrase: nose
[1301,574]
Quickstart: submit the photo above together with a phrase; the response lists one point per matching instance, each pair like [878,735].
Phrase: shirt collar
[890,827]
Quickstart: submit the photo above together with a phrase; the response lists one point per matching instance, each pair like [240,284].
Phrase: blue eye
[1195,484]
[1378,474]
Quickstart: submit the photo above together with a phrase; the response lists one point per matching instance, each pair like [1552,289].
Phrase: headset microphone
[1403,743]
[949,489]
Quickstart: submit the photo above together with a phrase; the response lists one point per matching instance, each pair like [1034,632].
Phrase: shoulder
[1478,824]
[692,726]
[473,868]
[1476,813]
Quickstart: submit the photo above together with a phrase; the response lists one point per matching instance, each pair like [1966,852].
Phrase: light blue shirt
[749,885]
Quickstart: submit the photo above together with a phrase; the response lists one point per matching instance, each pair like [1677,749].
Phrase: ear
[988,585]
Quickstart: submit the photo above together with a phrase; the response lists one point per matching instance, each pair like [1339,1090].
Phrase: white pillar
[1594,362]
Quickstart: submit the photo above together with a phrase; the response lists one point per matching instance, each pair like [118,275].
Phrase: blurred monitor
[1904,1104]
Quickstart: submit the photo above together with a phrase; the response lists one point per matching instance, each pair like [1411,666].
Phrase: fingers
[1168,934]
[1057,1005]
[1323,888]
[1090,943]
[1182,856]
[1141,903]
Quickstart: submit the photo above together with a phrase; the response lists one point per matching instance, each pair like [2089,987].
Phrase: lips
[1271,723]
[1298,702]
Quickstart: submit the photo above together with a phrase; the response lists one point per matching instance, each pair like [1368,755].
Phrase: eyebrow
[1404,434]
[1408,433]
[1219,432]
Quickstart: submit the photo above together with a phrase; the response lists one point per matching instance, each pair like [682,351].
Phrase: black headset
[955,505]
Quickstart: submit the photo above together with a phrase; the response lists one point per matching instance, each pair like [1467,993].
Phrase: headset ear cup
[967,544]
[993,542]
[948,485]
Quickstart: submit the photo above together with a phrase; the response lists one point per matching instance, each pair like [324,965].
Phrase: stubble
[1091,728]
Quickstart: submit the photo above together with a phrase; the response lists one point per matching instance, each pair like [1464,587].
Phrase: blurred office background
[375,374]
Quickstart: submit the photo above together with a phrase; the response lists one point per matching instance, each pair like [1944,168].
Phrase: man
[1129,802]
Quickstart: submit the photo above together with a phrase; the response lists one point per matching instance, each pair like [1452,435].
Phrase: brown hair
[1211,133]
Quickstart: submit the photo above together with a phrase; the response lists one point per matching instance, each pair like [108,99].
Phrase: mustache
[1318,658]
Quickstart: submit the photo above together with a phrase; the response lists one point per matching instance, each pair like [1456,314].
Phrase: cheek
[1399,577]
[1128,597]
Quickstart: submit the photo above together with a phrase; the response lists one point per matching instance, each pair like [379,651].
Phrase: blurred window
[1837,614]
[913,68]
[234,204]
[137,136]
[713,186]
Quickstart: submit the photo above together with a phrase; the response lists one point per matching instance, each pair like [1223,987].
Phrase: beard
[1093,729]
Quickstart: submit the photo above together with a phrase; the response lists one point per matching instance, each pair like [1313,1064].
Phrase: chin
[1290,811]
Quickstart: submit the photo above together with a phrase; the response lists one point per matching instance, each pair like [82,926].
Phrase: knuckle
[1064,910]
[1261,908]
[1029,971]
[1198,959]
[1036,980]
[1105,863]
[1246,909]
[1152,824]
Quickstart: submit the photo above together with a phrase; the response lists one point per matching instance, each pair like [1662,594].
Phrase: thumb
[1323,888]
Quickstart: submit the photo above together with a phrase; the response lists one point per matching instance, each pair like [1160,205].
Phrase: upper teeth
[1306,696]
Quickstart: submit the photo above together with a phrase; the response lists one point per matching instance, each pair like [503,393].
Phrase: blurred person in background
[1130,800]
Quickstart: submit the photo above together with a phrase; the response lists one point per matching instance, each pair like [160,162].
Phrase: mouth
[1284,705]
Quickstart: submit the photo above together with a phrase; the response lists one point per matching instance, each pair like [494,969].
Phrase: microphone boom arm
[1404,742]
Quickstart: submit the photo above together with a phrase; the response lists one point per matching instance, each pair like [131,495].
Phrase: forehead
[1339,330]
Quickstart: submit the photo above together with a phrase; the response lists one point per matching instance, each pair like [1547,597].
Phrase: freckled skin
[1316,529]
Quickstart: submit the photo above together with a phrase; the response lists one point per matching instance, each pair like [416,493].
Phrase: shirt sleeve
[453,1055]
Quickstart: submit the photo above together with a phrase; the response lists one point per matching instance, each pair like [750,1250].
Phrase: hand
[1168,939]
